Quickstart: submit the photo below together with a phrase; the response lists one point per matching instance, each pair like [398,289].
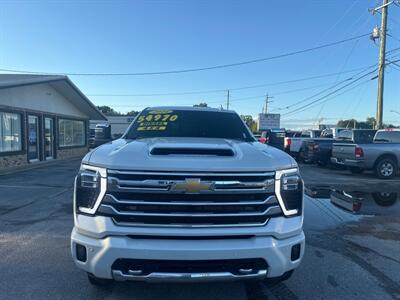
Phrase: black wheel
[386,168]
[276,280]
[100,282]
[385,199]
[356,170]
[322,163]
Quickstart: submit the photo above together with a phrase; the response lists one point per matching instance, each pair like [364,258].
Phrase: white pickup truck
[187,194]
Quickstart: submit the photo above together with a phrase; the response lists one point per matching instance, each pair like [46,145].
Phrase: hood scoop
[192,151]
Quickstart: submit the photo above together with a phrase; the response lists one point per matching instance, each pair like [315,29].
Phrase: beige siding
[39,97]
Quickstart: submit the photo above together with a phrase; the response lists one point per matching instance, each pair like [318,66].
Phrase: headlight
[90,185]
[289,191]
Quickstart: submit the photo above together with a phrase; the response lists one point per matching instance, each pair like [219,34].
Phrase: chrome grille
[189,199]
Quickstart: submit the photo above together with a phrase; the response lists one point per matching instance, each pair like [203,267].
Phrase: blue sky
[143,36]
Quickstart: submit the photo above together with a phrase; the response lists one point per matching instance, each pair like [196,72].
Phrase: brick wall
[72,152]
[13,161]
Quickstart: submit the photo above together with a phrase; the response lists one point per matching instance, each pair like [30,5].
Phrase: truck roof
[192,108]
[389,129]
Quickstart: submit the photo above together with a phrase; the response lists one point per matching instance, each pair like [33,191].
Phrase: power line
[235,88]
[284,92]
[325,90]
[240,88]
[333,97]
[329,94]
[393,37]
[195,69]
[279,93]
[337,78]
[223,101]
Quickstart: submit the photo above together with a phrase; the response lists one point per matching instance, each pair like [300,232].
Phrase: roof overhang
[69,90]
[60,83]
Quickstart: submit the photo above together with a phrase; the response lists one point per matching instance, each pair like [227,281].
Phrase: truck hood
[137,155]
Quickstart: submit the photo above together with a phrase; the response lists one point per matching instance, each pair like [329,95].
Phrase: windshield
[188,123]
[387,136]
[345,135]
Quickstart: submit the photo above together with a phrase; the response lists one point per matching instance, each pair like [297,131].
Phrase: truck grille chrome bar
[187,277]
[186,199]
[108,209]
[188,270]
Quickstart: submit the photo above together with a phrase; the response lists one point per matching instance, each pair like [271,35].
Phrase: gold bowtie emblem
[192,185]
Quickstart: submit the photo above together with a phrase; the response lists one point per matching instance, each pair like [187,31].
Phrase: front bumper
[103,252]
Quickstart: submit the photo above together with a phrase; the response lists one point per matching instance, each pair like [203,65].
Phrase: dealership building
[42,118]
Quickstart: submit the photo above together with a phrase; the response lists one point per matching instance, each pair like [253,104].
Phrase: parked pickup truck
[289,134]
[382,155]
[296,143]
[187,194]
[273,137]
[319,150]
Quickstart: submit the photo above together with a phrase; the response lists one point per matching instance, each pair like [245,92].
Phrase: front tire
[386,168]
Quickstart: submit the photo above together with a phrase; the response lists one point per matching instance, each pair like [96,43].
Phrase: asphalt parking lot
[348,254]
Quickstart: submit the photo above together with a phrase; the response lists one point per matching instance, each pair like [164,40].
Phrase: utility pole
[267,97]
[381,70]
[227,100]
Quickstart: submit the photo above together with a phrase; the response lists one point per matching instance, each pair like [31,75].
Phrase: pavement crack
[366,250]
[16,208]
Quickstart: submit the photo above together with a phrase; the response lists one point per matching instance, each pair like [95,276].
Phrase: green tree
[250,122]
[349,123]
[108,111]
[132,113]
[371,122]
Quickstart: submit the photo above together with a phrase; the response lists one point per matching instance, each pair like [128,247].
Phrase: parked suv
[187,194]
[382,155]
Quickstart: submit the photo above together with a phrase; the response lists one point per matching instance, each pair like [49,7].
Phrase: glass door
[33,138]
[49,138]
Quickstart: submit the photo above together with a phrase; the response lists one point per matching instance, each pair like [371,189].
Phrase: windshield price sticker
[156,120]
[162,112]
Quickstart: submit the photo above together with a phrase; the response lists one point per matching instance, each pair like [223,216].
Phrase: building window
[10,132]
[71,133]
